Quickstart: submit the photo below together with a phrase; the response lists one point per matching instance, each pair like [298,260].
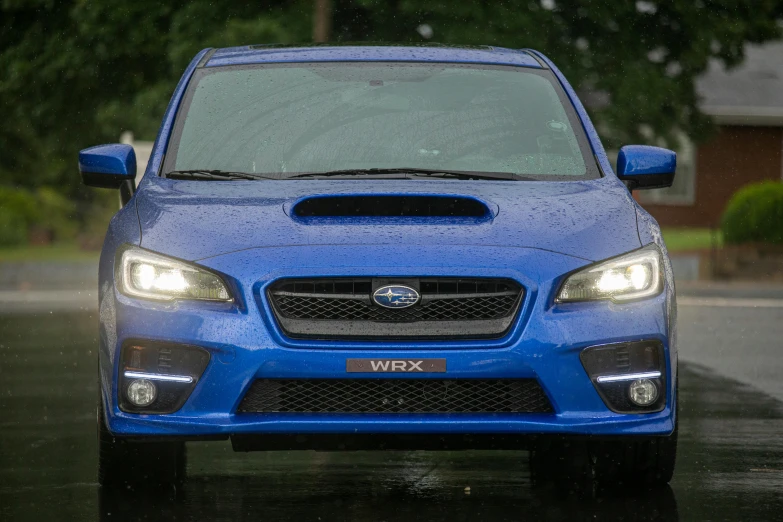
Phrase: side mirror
[107,166]
[645,167]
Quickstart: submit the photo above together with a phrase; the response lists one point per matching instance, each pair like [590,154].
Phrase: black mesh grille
[395,396]
[489,307]
[344,308]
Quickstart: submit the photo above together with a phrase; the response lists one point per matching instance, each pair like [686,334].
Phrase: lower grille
[395,396]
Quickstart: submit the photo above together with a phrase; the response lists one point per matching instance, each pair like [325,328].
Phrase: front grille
[395,396]
[466,308]
[343,308]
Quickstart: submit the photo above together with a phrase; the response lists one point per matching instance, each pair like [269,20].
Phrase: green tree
[77,73]
[642,55]
[74,73]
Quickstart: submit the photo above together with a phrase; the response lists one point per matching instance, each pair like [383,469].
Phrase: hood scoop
[391,206]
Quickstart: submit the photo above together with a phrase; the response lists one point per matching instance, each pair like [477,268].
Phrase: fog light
[643,392]
[141,392]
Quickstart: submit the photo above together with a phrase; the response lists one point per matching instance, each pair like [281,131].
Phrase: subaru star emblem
[396,296]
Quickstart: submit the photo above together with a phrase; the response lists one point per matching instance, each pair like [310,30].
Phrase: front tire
[629,462]
[646,462]
[124,462]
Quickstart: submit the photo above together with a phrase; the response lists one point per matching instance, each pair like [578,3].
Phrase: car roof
[253,54]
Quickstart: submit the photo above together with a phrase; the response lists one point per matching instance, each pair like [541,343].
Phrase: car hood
[195,220]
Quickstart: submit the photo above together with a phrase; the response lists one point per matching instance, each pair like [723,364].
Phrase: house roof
[750,94]
[381,53]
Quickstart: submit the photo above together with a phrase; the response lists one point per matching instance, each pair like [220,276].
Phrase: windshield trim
[592,169]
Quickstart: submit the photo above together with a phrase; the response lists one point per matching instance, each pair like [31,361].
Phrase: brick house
[747,106]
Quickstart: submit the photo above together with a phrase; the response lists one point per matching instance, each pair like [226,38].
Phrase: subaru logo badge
[396,296]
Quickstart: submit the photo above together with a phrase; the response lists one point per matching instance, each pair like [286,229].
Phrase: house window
[683,190]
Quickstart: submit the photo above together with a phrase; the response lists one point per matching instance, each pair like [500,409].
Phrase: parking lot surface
[730,461]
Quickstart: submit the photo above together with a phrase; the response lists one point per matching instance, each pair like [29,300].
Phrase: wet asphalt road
[730,460]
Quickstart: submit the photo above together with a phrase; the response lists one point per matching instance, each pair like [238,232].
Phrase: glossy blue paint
[545,343]
[392,53]
[107,165]
[123,228]
[634,161]
[568,217]
[536,233]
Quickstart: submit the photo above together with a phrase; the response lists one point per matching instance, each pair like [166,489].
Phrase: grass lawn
[679,239]
[56,252]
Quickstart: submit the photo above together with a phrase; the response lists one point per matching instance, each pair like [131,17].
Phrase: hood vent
[391,206]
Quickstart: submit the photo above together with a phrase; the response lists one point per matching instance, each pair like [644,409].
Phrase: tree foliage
[74,73]
[754,214]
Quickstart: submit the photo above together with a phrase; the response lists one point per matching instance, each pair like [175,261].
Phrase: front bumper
[245,344]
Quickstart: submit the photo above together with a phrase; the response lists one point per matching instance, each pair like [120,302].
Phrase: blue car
[384,247]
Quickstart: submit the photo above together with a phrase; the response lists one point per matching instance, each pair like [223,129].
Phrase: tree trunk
[322,20]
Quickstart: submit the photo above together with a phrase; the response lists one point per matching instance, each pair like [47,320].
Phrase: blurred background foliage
[75,73]
[755,215]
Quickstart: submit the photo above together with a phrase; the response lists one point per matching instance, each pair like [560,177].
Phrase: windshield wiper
[405,173]
[435,173]
[205,174]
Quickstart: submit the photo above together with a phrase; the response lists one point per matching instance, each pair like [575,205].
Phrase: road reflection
[729,464]
[252,498]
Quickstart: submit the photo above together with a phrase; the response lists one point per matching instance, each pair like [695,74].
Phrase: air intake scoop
[391,206]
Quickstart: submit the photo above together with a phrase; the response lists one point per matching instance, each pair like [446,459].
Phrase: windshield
[286,119]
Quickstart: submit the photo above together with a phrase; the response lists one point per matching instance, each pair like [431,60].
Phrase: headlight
[141,273]
[631,276]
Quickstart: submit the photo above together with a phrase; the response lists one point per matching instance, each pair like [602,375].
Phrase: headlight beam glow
[152,276]
[632,276]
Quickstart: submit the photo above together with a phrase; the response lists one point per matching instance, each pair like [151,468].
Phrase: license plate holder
[400,365]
